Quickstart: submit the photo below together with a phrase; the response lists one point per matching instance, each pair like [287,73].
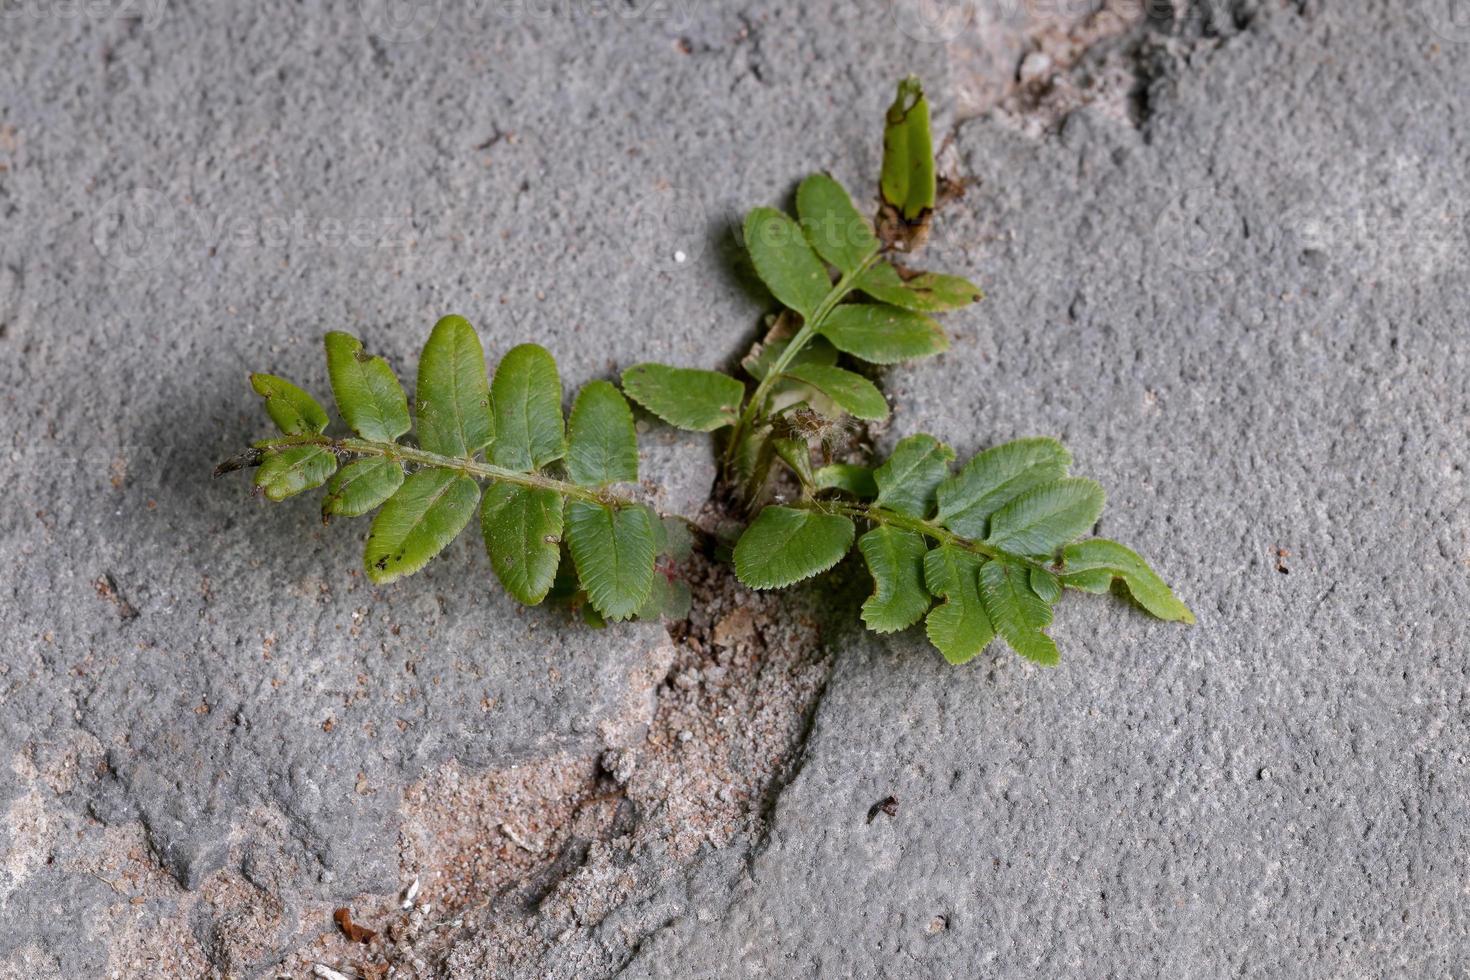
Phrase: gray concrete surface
[191,192]
[1245,315]
[1248,321]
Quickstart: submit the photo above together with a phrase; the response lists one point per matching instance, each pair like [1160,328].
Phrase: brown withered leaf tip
[239,461]
[350,929]
[900,235]
[106,587]
[888,805]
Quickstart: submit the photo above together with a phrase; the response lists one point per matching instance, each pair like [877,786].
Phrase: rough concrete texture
[1247,320]
[1226,261]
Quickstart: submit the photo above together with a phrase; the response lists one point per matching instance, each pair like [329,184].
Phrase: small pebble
[620,764]
[1034,66]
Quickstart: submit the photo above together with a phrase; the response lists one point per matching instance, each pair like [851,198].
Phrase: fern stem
[809,329]
[469,467]
[874,514]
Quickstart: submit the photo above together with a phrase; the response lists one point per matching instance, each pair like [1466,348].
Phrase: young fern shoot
[994,543]
[545,481]
[841,296]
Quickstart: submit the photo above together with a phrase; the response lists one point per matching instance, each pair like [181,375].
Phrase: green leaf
[852,392]
[362,486]
[418,522]
[604,443]
[908,152]
[785,545]
[896,560]
[785,262]
[1017,613]
[678,600]
[672,538]
[565,587]
[667,599]
[675,539]
[856,480]
[786,392]
[938,291]
[883,334]
[926,292]
[294,411]
[613,551]
[832,224]
[798,456]
[996,476]
[296,468]
[453,396]
[959,628]
[1097,561]
[1046,585]
[753,458]
[1042,520]
[688,398]
[526,399]
[367,391]
[908,479]
[1098,580]
[522,527]
[764,355]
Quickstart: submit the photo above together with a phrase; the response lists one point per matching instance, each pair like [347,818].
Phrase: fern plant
[841,295]
[546,480]
[981,552]
[994,543]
